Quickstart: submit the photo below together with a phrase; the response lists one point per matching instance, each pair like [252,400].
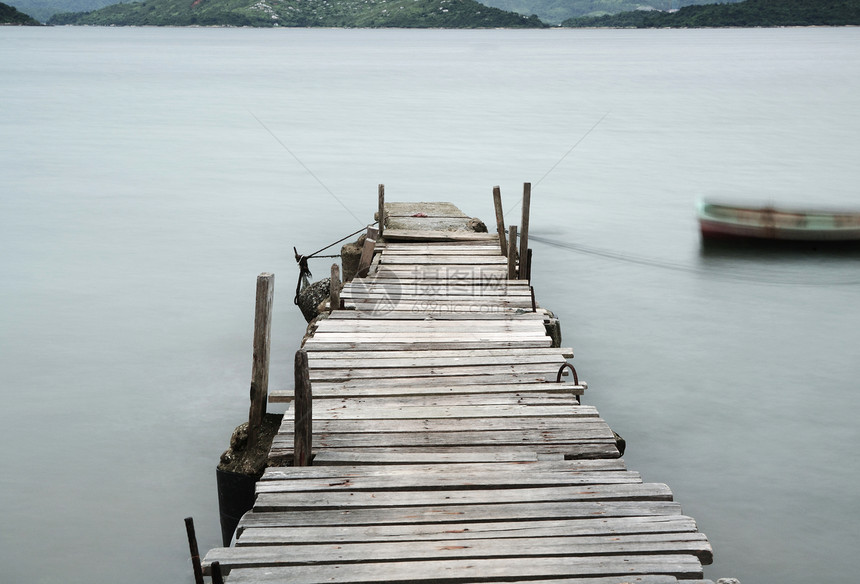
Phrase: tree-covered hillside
[303,13]
[42,10]
[750,13]
[556,11]
[11,15]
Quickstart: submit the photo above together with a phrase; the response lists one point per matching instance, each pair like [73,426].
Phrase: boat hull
[727,222]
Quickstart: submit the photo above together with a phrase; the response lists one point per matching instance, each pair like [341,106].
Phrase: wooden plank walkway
[445,450]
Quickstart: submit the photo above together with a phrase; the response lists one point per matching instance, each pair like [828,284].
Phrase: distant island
[555,12]
[751,13]
[304,13]
[438,13]
[12,16]
[549,11]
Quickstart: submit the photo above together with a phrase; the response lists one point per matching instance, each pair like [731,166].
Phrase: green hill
[556,11]
[751,13]
[303,13]
[10,15]
[42,10]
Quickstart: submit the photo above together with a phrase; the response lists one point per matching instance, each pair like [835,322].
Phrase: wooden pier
[444,447]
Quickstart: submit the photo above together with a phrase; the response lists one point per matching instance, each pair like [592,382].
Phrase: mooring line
[678,267]
[560,160]
[309,171]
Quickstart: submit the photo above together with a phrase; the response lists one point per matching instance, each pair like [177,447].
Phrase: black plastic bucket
[235,498]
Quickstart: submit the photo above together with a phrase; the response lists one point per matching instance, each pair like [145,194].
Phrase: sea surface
[148,175]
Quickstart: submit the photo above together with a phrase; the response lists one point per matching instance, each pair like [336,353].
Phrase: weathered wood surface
[444,449]
[262,349]
[437,235]
[448,386]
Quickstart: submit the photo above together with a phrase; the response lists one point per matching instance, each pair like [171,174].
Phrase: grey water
[148,175]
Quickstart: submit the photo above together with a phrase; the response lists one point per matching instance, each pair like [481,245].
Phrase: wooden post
[529,265]
[303,409]
[381,225]
[195,553]
[500,219]
[512,253]
[334,294]
[260,368]
[217,575]
[367,252]
[524,234]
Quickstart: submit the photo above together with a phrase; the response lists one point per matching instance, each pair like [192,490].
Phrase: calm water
[140,197]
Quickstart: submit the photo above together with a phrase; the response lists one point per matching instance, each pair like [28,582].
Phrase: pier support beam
[500,219]
[303,409]
[334,288]
[381,226]
[512,253]
[262,343]
[524,232]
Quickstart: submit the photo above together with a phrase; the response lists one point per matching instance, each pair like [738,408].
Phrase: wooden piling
[303,409]
[524,233]
[367,252]
[512,253]
[262,344]
[500,219]
[529,265]
[381,225]
[334,294]
[195,553]
[217,575]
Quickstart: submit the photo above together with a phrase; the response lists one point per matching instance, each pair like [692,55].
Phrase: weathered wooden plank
[464,514]
[577,451]
[558,546]
[461,387]
[425,385]
[517,415]
[404,301]
[438,251]
[426,326]
[346,458]
[383,425]
[414,235]
[441,335]
[465,399]
[269,498]
[501,529]
[474,355]
[546,370]
[447,271]
[429,361]
[413,315]
[463,488]
[416,286]
[498,438]
[515,467]
[480,569]
[477,290]
[432,261]
[443,277]
[417,345]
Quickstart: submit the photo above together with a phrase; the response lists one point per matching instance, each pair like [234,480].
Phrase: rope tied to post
[302,260]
